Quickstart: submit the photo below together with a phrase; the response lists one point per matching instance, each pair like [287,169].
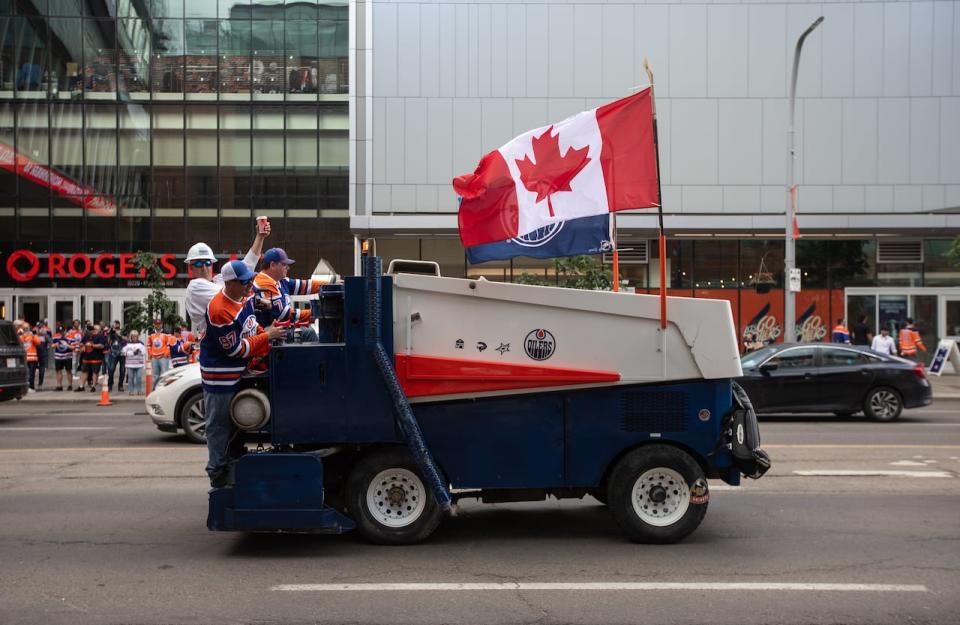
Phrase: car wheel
[657,494]
[883,404]
[389,499]
[193,419]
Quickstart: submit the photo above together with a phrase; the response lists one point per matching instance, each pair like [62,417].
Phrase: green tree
[574,272]
[156,305]
[953,254]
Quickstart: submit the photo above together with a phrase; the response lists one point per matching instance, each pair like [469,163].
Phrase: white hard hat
[200,251]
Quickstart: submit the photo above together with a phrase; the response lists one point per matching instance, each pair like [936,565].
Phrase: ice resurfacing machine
[425,390]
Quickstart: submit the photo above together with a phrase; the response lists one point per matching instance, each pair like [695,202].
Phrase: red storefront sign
[25,266]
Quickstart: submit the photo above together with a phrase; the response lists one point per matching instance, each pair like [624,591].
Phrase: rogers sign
[24,266]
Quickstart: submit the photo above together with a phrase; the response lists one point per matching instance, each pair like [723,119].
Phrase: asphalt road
[103,517]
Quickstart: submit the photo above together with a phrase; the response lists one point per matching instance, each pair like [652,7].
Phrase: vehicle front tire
[389,499]
[649,494]
[883,404]
[193,419]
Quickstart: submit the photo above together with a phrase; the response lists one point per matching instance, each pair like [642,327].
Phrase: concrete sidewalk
[945,386]
[86,397]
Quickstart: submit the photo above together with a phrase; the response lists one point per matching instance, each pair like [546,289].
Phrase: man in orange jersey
[158,348]
[910,341]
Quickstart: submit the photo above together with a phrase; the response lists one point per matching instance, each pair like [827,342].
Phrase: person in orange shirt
[30,343]
[158,349]
[910,341]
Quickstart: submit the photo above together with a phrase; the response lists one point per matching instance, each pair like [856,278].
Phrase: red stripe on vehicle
[423,376]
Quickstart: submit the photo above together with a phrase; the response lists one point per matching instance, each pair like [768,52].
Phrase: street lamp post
[790,255]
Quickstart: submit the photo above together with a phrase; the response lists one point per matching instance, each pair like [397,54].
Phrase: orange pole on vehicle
[104,393]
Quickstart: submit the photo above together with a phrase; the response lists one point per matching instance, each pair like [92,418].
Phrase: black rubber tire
[621,483]
[870,411]
[185,409]
[369,527]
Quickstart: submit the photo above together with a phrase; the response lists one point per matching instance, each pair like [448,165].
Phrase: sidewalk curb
[52,397]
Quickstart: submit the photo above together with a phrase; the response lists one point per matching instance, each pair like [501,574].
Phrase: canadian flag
[593,163]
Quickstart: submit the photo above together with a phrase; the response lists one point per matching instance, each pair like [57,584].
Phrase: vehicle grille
[653,411]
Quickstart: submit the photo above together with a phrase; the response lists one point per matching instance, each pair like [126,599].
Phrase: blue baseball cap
[236,270]
[277,255]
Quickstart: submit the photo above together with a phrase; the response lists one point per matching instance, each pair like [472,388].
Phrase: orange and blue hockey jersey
[279,292]
[180,352]
[233,336]
[841,334]
[62,346]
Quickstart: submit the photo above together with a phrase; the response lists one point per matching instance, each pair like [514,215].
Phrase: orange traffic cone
[104,393]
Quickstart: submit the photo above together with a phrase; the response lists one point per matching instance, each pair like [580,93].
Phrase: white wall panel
[587,47]
[467,141]
[693,141]
[538,51]
[461,52]
[868,50]
[768,25]
[562,108]
[849,199]
[741,199]
[440,140]
[497,123]
[516,51]
[688,50]
[697,199]
[956,50]
[943,44]
[921,48]
[379,140]
[664,120]
[950,144]
[499,60]
[652,32]
[408,50]
[924,140]
[429,50]
[837,61]
[381,199]
[403,198]
[775,122]
[385,50]
[740,141]
[529,113]
[773,199]
[562,47]
[907,198]
[484,50]
[896,48]
[415,140]
[727,56]
[860,141]
[879,199]
[427,198]
[618,52]
[934,197]
[447,61]
[394,153]
[799,18]
[893,165]
[815,199]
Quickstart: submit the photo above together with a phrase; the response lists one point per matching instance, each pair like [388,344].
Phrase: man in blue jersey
[232,338]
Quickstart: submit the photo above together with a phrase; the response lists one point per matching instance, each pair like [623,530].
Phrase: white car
[176,403]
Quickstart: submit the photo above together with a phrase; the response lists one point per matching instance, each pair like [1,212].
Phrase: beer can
[262,223]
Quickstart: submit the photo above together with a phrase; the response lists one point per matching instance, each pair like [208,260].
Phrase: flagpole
[661,239]
[616,253]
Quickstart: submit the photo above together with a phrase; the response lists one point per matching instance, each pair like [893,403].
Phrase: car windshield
[755,358]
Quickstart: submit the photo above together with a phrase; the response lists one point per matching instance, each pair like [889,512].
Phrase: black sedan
[829,377]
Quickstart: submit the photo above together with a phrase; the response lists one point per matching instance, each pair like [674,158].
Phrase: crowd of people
[82,352]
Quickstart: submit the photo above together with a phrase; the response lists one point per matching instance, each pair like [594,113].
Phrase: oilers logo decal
[539,344]
[540,236]
[249,327]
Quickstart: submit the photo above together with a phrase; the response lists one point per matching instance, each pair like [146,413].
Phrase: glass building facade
[130,125]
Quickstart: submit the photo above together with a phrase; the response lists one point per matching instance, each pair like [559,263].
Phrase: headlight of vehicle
[167,380]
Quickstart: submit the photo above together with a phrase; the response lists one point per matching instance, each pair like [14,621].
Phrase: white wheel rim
[396,497]
[884,404]
[647,493]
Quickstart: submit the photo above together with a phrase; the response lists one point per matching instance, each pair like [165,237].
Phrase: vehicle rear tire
[193,419]
[389,499]
[650,494]
[883,404]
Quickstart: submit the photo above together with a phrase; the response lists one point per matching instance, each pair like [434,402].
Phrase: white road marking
[474,586]
[868,473]
[907,463]
[53,429]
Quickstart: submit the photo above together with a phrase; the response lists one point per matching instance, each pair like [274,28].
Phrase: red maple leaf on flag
[551,172]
